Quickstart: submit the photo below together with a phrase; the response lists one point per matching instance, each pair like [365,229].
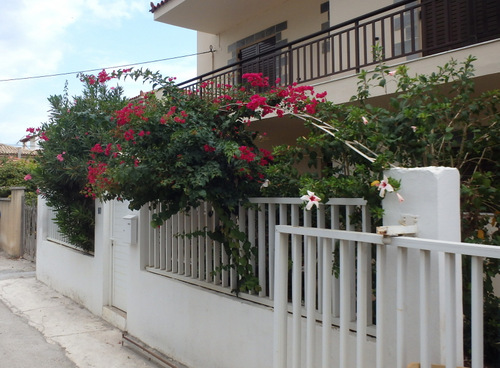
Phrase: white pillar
[432,194]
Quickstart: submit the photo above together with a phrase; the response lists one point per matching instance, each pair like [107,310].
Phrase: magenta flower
[27,177]
[60,156]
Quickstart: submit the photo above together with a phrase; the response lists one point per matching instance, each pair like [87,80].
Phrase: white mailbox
[131,223]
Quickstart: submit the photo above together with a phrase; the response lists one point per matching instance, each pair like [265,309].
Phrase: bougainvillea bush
[75,124]
[174,149]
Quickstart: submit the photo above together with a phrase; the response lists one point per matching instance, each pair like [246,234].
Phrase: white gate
[120,249]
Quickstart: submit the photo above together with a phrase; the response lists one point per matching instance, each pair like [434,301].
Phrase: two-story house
[161,288]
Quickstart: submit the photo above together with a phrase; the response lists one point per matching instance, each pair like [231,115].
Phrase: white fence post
[432,195]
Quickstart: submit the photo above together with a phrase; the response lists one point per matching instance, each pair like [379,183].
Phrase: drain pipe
[148,351]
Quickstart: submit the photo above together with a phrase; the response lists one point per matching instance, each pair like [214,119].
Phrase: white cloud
[53,36]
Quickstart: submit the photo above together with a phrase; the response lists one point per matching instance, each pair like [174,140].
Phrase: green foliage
[74,126]
[431,120]
[188,150]
[13,173]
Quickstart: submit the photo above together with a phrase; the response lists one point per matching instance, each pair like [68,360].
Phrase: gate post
[11,223]
[432,195]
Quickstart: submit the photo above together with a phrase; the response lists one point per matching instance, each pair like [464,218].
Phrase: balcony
[405,31]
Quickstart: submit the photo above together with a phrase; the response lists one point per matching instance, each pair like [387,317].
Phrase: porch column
[432,197]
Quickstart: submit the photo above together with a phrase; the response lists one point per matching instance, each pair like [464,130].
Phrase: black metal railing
[400,30]
[345,47]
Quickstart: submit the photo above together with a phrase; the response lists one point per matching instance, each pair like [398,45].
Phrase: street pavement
[40,328]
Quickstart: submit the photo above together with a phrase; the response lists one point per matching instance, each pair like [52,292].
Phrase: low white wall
[73,273]
[198,327]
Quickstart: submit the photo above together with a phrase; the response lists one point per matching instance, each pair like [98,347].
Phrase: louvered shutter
[449,24]
[264,65]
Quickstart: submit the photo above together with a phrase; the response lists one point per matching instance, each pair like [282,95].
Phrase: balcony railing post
[290,65]
[356,45]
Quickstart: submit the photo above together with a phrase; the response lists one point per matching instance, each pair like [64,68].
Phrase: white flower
[400,197]
[384,186]
[311,200]
[392,73]
[365,120]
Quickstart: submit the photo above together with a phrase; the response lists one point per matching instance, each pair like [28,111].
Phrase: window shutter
[448,24]
[264,65]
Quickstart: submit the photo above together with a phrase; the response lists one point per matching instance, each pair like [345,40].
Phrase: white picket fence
[195,259]
[292,349]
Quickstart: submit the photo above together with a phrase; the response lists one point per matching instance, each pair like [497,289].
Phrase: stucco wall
[82,277]
[301,17]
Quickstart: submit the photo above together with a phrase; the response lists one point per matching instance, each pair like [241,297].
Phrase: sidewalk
[83,339]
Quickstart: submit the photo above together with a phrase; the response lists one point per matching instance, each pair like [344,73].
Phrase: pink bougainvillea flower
[27,177]
[383,186]
[365,120]
[103,76]
[60,156]
[311,199]
[208,148]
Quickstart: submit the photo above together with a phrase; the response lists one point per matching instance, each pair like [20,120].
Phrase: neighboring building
[15,152]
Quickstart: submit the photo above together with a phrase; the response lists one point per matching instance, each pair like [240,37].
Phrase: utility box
[131,223]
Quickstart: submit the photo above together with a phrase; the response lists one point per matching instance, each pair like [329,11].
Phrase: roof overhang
[206,16]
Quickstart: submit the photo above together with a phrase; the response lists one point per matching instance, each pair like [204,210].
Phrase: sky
[43,37]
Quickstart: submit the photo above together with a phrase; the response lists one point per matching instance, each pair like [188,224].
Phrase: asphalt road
[23,346]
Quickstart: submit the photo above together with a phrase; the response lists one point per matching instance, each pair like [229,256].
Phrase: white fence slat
[477,311]
[380,303]
[193,256]
[163,247]
[187,244]
[361,316]
[424,297]
[175,244]
[401,276]
[349,211]
[366,228]
[261,253]
[327,303]
[280,302]
[334,212]
[310,301]
[202,241]
[272,245]
[151,244]
[296,292]
[209,251]
[345,302]
[450,298]
[320,223]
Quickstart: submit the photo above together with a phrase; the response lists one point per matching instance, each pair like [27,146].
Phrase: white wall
[81,277]
[432,194]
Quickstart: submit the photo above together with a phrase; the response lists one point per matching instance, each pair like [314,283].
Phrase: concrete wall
[432,196]
[78,275]
[204,329]
[11,212]
[301,17]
